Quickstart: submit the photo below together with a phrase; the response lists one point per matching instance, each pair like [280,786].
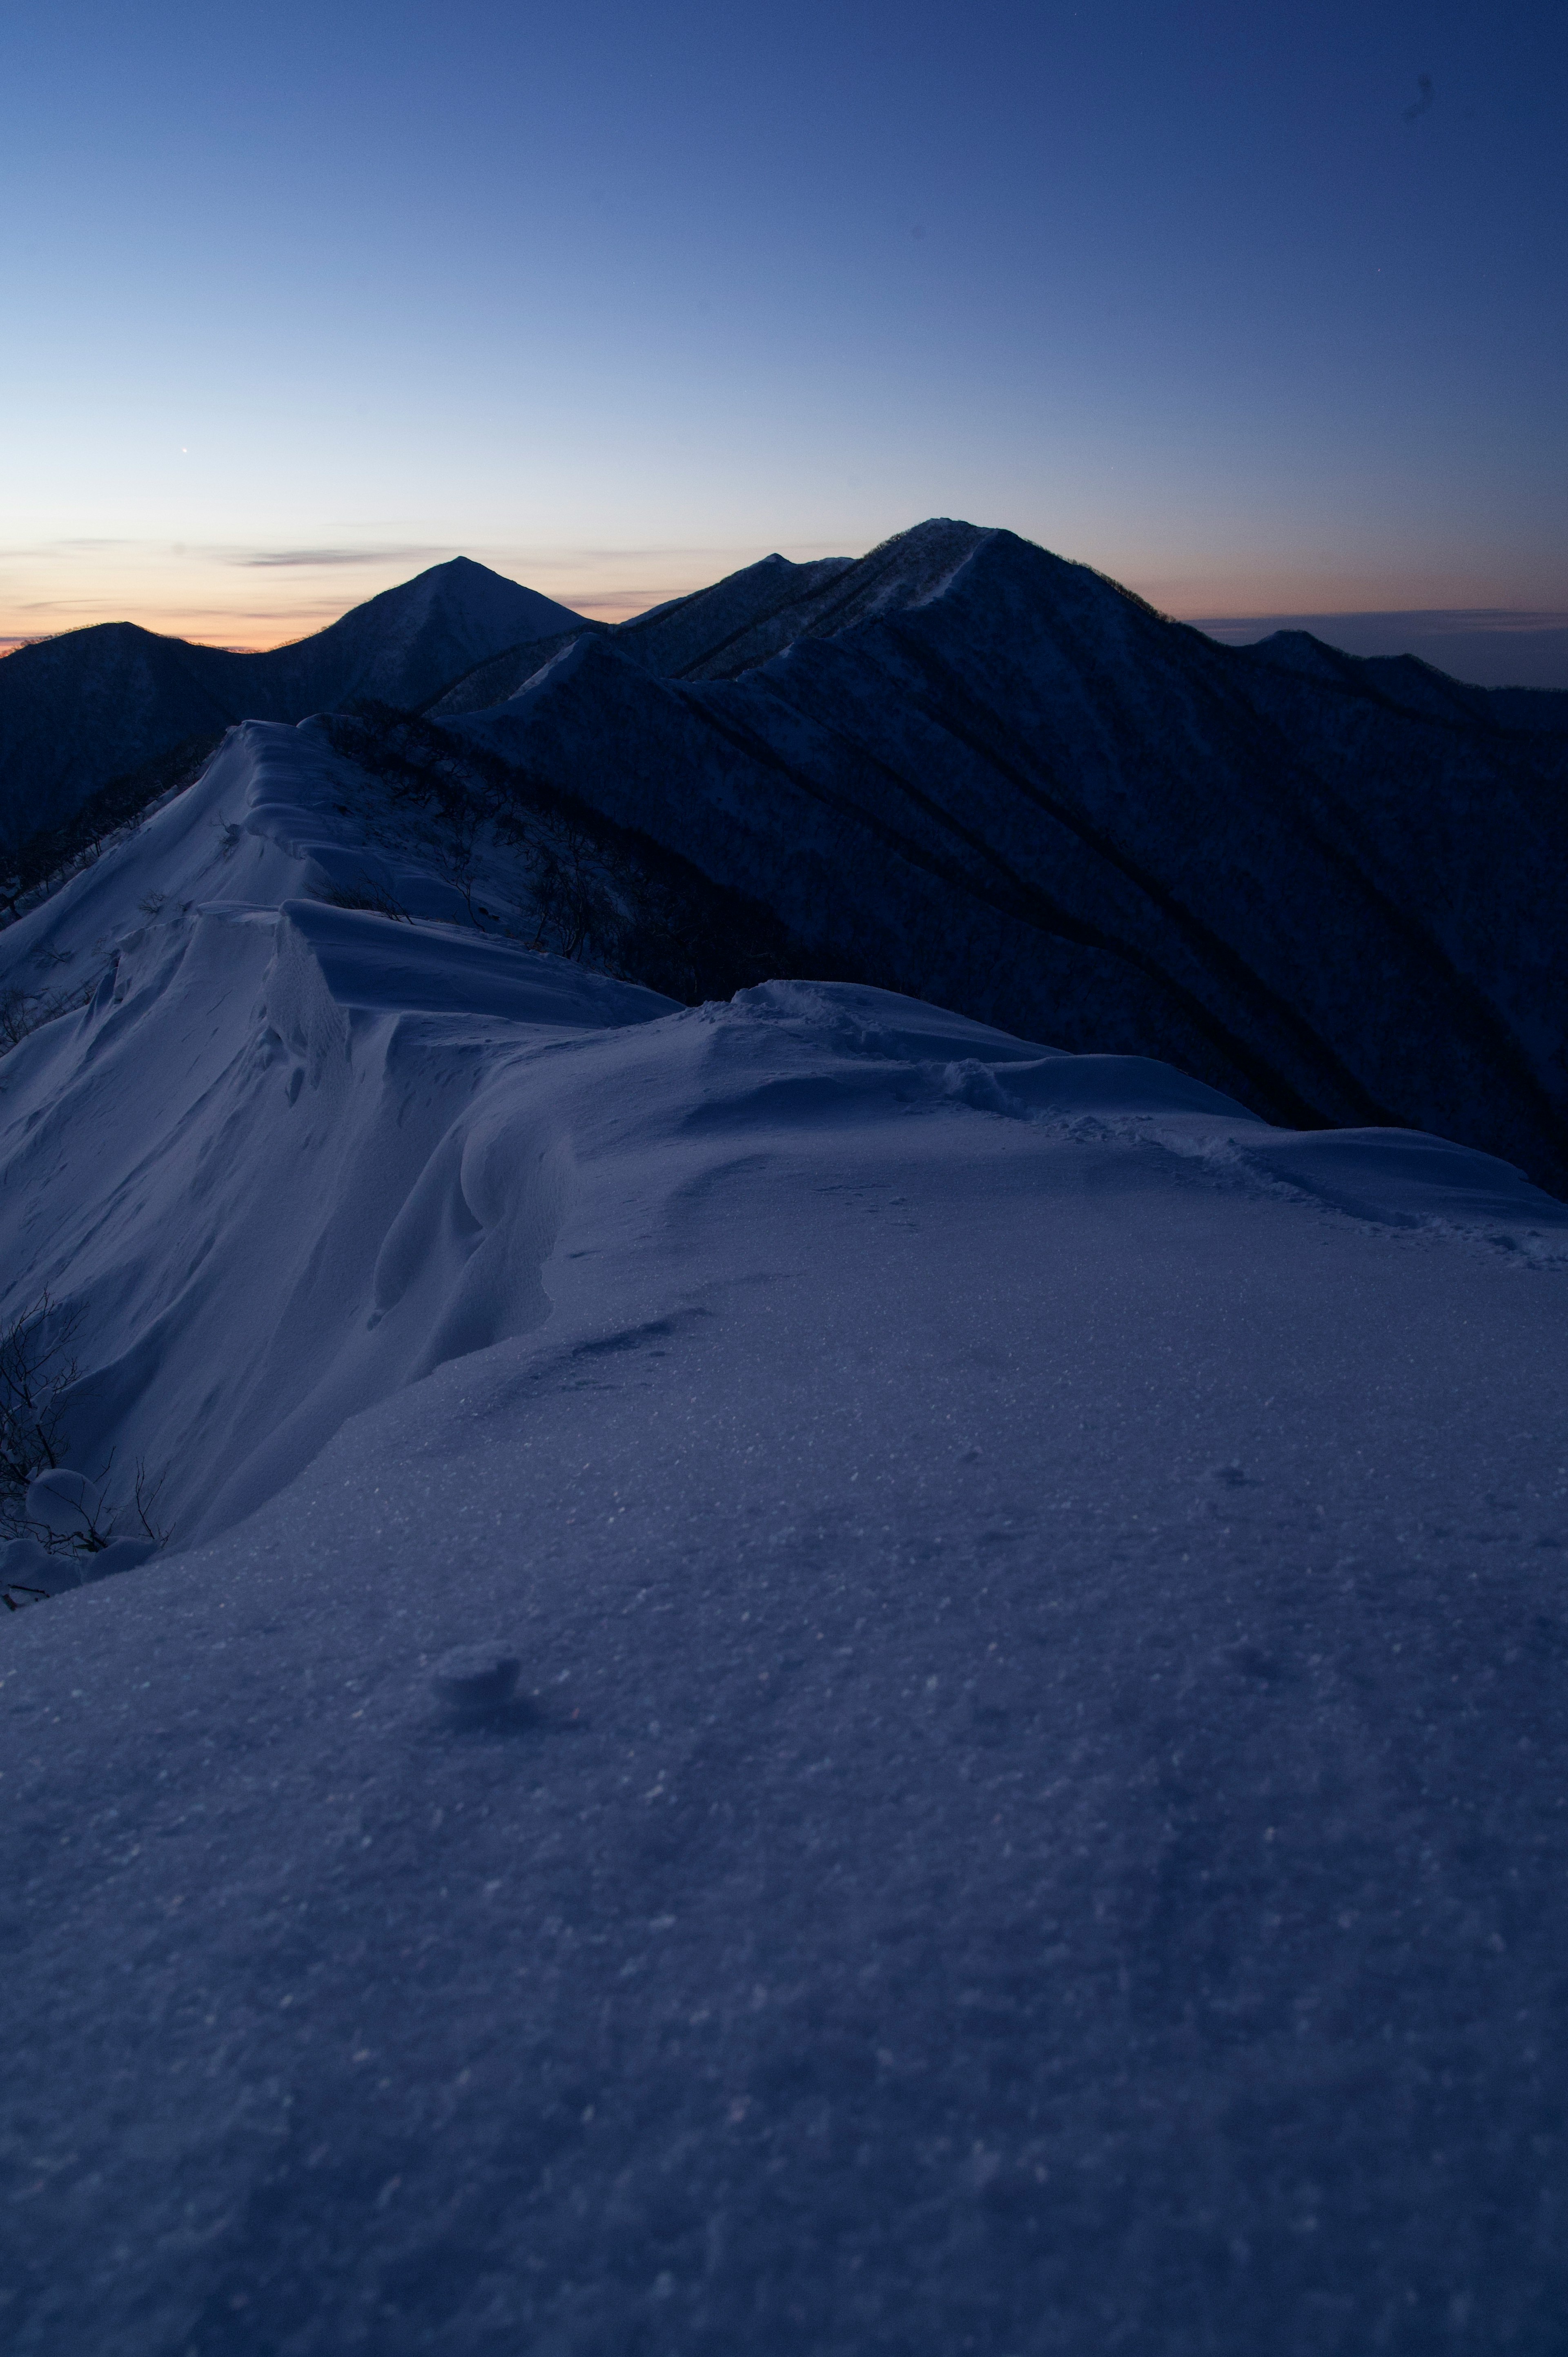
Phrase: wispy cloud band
[325,557]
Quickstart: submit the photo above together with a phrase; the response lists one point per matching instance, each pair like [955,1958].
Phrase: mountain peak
[96,703]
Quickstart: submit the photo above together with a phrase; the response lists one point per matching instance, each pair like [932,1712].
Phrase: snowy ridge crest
[373,1147]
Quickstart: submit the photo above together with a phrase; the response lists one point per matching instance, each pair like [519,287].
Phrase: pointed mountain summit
[406,643]
[91,705]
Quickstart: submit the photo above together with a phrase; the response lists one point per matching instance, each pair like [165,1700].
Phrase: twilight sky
[1258,308]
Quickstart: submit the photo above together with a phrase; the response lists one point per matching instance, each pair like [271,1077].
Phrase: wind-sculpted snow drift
[1030,1814]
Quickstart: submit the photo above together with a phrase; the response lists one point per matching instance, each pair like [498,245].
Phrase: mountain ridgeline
[83,711]
[964,768]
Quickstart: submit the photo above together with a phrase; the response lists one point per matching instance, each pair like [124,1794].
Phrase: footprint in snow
[476,1681]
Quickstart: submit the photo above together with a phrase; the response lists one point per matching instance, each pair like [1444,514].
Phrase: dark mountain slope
[978,773]
[737,622]
[402,646]
[501,676]
[79,710]
[76,711]
[710,634]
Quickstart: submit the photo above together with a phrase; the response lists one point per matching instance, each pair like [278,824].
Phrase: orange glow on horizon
[201,626]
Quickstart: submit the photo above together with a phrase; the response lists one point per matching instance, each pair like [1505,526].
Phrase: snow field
[1032,1817]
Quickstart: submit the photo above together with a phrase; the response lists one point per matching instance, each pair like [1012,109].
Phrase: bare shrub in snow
[369,896]
[48,1510]
[37,1367]
[22,1012]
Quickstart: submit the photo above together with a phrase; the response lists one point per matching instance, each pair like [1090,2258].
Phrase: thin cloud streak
[621,604]
[327,556]
[1434,621]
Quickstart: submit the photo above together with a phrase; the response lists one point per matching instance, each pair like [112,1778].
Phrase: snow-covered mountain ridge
[964,768]
[1030,1814]
[270,1101]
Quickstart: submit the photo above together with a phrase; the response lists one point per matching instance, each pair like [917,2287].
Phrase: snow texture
[1031,1814]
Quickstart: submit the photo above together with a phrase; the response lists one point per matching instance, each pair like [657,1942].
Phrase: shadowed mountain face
[967,770]
[78,710]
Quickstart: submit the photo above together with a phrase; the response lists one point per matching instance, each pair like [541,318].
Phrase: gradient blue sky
[1219,297]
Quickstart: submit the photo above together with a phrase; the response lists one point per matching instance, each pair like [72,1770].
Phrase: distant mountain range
[965,769]
[1489,647]
[91,705]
